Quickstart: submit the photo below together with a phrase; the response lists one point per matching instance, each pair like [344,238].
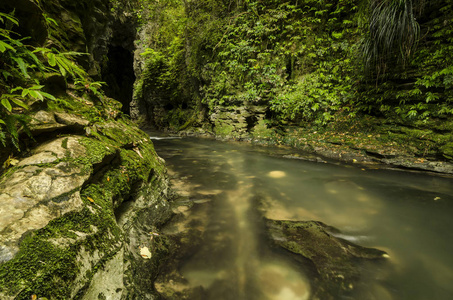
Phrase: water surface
[406,214]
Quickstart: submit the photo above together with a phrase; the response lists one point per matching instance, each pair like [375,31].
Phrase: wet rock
[334,264]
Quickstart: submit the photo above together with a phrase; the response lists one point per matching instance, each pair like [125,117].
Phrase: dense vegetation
[304,63]
[35,73]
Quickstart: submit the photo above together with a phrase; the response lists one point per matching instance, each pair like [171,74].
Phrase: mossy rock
[333,264]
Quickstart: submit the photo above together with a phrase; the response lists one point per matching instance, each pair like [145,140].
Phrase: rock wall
[82,203]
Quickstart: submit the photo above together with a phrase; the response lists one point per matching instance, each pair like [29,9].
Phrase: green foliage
[277,54]
[313,98]
[19,85]
[302,61]
[63,61]
[393,34]
[426,92]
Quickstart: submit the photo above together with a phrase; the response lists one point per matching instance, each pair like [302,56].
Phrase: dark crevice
[118,73]
[251,122]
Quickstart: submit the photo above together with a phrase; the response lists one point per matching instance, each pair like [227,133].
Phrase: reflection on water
[406,214]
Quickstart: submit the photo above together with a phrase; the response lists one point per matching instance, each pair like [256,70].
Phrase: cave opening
[119,76]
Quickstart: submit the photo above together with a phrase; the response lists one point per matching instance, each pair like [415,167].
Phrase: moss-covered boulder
[77,212]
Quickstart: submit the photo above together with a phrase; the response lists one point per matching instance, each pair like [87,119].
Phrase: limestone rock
[34,195]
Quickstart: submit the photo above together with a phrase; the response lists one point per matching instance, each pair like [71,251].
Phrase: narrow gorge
[200,149]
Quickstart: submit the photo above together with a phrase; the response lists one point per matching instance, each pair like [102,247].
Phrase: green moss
[45,266]
[223,129]
[64,143]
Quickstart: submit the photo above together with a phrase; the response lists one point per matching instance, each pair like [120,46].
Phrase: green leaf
[36,94]
[22,66]
[62,70]
[19,103]
[6,104]
[36,87]
[51,58]
[6,74]
[9,17]
[25,92]
[2,122]
[62,64]
[4,46]
[47,95]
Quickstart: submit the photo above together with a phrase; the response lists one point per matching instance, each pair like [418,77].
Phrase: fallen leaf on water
[437,198]
[144,252]
[90,199]
[33,297]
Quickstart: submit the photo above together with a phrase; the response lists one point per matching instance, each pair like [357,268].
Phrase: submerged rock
[334,264]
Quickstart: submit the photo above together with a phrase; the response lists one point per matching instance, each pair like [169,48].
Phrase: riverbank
[367,141]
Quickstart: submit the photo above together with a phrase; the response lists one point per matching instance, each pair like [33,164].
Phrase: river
[406,214]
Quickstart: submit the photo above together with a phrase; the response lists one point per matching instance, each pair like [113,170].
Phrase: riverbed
[232,185]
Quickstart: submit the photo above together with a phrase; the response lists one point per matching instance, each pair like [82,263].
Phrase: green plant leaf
[6,104]
[19,103]
[47,95]
[4,46]
[36,94]
[25,92]
[22,66]
[36,87]
[9,17]
[51,58]
[6,74]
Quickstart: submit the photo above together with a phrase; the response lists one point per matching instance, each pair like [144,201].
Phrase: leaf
[4,46]
[25,92]
[6,74]
[90,199]
[47,95]
[19,103]
[51,58]
[21,64]
[9,17]
[62,70]
[6,104]
[36,94]
[36,87]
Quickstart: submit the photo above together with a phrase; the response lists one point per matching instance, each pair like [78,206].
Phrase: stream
[229,185]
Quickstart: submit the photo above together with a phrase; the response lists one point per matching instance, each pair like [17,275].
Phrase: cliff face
[300,73]
[82,199]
